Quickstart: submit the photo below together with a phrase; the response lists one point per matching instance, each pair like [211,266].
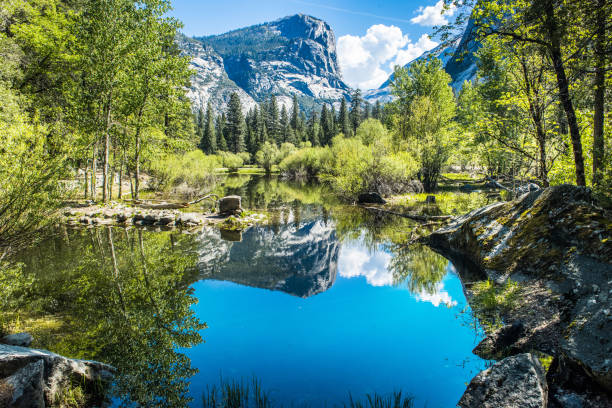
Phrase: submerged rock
[517,381]
[34,378]
[557,244]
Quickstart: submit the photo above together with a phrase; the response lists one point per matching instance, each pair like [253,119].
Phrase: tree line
[233,131]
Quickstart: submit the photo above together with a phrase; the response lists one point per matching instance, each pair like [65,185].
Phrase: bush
[245,156]
[193,170]
[306,163]
[267,156]
[230,160]
[359,168]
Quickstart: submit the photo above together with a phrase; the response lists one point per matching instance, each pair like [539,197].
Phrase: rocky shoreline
[554,342]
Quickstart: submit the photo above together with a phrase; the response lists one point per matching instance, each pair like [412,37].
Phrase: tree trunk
[600,89]
[106,151]
[86,180]
[137,153]
[563,87]
[93,171]
[121,163]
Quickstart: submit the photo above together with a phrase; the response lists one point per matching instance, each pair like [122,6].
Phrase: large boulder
[17,339]
[230,204]
[517,381]
[34,378]
[370,198]
[557,244]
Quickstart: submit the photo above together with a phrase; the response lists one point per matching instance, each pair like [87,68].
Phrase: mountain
[300,260]
[293,55]
[445,52]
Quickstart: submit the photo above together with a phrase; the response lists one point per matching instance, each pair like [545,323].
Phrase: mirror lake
[324,301]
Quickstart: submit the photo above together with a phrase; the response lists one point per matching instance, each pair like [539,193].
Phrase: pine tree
[367,111]
[284,127]
[377,111]
[325,127]
[200,123]
[272,119]
[235,124]
[295,114]
[343,119]
[313,129]
[208,142]
[221,143]
[355,115]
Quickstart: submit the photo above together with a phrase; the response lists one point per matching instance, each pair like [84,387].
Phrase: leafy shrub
[306,163]
[245,156]
[230,160]
[267,156]
[194,170]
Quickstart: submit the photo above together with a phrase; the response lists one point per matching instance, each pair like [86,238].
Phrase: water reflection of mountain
[297,259]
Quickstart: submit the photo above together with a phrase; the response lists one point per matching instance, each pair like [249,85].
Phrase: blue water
[352,331]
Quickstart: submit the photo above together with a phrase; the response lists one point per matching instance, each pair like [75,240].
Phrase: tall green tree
[235,124]
[356,114]
[344,125]
[208,143]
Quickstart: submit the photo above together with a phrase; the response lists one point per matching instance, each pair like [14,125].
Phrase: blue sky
[372,35]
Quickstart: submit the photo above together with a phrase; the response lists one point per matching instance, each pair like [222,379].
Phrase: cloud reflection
[356,261]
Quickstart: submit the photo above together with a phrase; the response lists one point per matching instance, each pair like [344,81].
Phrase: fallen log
[416,217]
[172,206]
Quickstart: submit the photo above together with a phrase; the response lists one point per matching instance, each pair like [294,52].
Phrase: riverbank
[538,274]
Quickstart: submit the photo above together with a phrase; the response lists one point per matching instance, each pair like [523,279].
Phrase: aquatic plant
[236,394]
[394,400]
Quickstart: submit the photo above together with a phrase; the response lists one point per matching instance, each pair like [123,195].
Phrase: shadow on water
[126,297]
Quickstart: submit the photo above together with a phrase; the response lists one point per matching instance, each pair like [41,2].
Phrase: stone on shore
[17,339]
[517,381]
[230,204]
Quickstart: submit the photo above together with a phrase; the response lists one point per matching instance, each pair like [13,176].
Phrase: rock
[230,204]
[370,198]
[517,381]
[415,186]
[467,188]
[189,219]
[527,188]
[499,344]
[25,388]
[557,243]
[17,339]
[430,199]
[29,376]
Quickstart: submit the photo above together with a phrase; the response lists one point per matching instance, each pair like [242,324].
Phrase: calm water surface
[325,302]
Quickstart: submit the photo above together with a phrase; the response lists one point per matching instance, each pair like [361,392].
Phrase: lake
[325,302]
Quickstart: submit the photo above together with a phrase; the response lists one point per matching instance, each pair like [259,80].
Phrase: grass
[241,394]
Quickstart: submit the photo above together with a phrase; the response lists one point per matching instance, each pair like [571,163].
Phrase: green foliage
[230,160]
[193,170]
[306,163]
[267,156]
[490,301]
[424,108]
[395,400]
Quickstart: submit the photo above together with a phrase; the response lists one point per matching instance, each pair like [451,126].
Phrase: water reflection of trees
[417,267]
[123,297]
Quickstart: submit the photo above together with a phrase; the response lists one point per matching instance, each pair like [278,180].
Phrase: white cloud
[440,296]
[367,61]
[354,262]
[433,15]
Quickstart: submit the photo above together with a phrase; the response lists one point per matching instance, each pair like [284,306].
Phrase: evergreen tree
[356,115]
[272,119]
[377,111]
[325,130]
[367,111]
[235,124]
[284,127]
[200,123]
[221,142]
[344,125]
[295,114]
[208,142]
[312,133]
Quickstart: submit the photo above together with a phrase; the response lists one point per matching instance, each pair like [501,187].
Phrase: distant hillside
[293,55]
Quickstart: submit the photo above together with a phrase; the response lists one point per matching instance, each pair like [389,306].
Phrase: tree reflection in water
[122,297]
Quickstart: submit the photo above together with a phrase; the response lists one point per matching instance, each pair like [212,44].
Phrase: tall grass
[187,174]
[238,394]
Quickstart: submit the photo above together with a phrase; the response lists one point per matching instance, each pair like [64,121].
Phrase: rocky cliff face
[293,55]
[556,244]
[298,260]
